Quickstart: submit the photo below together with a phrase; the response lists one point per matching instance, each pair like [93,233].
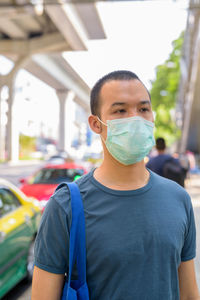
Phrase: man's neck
[119,177]
[161,152]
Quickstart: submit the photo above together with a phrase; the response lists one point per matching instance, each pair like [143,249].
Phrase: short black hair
[160,143]
[115,75]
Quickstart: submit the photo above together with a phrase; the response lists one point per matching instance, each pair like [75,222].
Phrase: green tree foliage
[164,93]
[27,145]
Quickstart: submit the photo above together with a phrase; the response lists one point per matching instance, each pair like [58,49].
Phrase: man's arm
[187,281]
[46,286]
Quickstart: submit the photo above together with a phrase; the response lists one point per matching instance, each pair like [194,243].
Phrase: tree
[27,145]
[164,93]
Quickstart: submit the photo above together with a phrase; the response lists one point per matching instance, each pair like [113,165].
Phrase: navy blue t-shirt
[135,239]
[157,163]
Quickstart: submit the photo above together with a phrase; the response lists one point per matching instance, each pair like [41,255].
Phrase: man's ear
[95,124]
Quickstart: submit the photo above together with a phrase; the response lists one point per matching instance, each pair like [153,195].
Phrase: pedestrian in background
[140,229]
[166,165]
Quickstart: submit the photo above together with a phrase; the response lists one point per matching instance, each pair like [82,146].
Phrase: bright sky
[139,37]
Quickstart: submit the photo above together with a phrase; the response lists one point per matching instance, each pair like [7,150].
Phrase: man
[166,165]
[140,231]
[156,163]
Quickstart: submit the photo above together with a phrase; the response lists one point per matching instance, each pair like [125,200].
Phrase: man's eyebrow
[118,103]
[145,102]
[142,102]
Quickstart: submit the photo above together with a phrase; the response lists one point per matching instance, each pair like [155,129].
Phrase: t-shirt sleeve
[52,241]
[189,248]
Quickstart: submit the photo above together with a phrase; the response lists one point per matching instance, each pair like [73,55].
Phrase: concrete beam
[11,29]
[15,15]
[90,18]
[53,42]
[33,68]
[44,44]
[65,78]
[16,12]
[64,19]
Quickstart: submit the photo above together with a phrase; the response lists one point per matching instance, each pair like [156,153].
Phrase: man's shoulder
[173,188]
[163,157]
[62,194]
[159,157]
[159,181]
[85,179]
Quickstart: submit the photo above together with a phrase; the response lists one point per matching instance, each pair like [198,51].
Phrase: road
[13,172]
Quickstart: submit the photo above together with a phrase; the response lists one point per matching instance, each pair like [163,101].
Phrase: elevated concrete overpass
[188,106]
[34,37]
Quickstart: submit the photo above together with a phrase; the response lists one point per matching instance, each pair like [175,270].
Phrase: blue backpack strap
[77,244]
[78,215]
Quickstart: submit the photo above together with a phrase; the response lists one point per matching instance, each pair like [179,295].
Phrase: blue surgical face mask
[129,140]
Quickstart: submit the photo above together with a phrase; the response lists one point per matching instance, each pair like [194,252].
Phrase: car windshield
[56,176]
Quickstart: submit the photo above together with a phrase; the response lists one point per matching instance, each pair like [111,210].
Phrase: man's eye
[144,109]
[120,111]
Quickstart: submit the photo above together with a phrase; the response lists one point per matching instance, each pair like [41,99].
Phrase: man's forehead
[115,88]
[112,86]
[119,82]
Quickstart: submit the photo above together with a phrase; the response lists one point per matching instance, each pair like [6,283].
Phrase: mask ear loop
[106,126]
[102,122]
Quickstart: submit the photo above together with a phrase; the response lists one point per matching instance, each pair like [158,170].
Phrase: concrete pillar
[62,96]
[12,133]
[2,116]
[1,129]
[65,120]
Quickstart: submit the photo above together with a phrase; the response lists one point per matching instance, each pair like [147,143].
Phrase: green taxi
[19,220]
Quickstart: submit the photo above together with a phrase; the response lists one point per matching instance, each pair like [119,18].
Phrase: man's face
[124,99]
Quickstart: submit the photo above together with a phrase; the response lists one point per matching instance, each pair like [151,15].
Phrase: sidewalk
[192,186]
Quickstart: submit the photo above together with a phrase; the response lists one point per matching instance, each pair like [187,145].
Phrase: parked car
[56,160]
[19,221]
[44,182]
[61,157]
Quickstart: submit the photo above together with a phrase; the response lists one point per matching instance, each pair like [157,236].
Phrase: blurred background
[51,54]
